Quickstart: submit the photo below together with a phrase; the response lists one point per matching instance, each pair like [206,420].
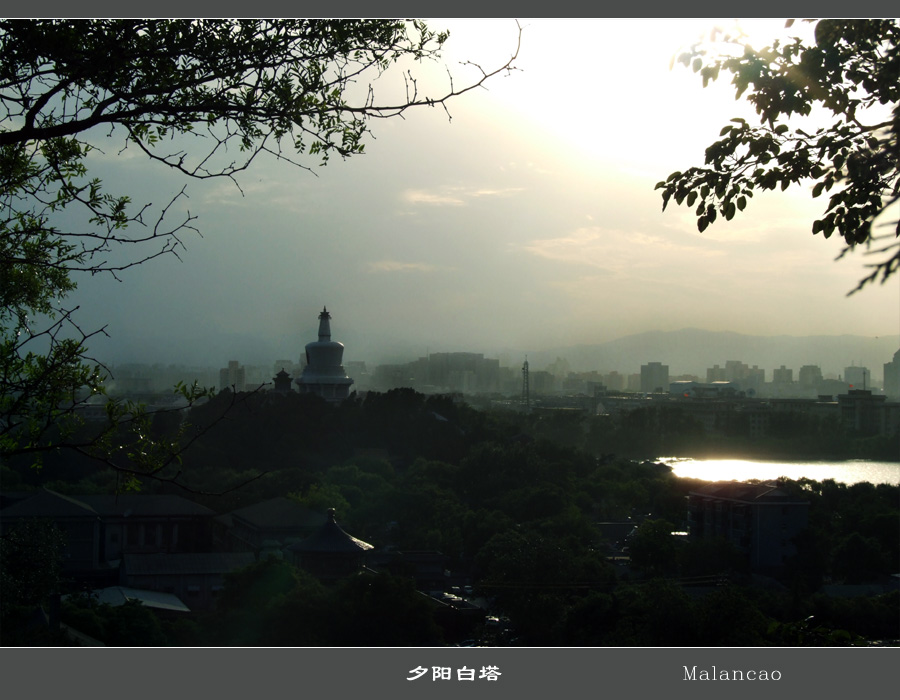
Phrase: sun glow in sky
[527,221]
[599,87]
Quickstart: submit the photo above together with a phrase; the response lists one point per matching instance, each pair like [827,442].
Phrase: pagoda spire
[324,374]
[324,325]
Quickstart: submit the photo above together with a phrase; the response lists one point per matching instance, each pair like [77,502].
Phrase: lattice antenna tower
[526,393]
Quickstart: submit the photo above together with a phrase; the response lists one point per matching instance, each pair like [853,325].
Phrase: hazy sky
[528,221]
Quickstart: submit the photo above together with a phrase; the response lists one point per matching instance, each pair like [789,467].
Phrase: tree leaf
[850,68]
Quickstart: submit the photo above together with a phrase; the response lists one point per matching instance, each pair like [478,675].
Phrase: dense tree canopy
[530,522]
[847,80]
[204,98]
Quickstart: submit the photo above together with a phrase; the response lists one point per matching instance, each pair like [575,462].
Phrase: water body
[848,472]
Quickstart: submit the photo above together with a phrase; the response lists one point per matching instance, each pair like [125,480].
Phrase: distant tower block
[324,374]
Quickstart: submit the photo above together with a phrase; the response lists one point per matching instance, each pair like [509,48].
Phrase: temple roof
[331,538]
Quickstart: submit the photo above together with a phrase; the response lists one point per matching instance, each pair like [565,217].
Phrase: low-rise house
[140,522]
[80,524]
[100,529]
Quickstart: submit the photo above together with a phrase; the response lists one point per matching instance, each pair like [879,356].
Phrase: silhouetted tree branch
[203,97]
[850,75]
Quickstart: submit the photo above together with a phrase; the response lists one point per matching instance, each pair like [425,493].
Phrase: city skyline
[529,221]
[713,357]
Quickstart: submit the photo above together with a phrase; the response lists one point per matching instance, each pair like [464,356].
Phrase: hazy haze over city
[527,222]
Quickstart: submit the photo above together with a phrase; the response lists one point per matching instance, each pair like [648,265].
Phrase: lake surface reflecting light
[848,472]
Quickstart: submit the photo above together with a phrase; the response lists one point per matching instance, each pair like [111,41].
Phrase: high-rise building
[324,374]
[633,382]
[614,381]
[858,377]
[892,377]
[715,374]
[754,379]
[541,383]
[810,376]
[748,379]
[782,375]
[654,377]
[466,372]
[232,377]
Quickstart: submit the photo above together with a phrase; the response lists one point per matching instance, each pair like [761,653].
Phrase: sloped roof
[119,595]
[331,538]
[8,498]
[144,504]
[279,513]
[186,563]
[49,504]
[741,491]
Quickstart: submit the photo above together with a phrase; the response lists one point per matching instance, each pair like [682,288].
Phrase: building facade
[863,413]
[783,375]
[858,377]
[654,378]
[760,520]
[101,529]
[892,377]
[232,377]
[195,578]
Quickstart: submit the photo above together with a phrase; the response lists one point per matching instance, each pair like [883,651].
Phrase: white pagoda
[324,374]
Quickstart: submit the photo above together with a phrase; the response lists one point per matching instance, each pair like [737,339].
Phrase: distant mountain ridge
[693,351]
